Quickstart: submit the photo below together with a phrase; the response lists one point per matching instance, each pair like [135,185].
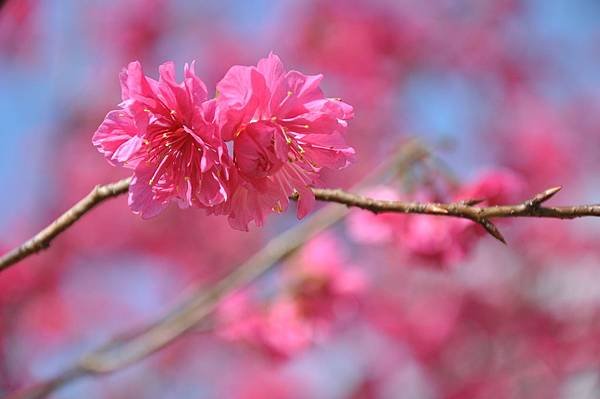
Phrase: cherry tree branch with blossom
[468,209]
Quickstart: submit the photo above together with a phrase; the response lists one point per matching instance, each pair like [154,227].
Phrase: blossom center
[174,151]
[254,150]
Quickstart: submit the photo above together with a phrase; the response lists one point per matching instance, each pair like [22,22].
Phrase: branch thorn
[471,202]
[438,209]
[492,229]
[543,197]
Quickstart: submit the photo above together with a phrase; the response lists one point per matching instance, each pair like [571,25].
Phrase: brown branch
[463,209]
[43,239]
[129,348]
[409,153]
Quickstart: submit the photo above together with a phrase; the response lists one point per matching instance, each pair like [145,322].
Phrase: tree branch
[43,239]
[410,152]
[462,209]
[465,209]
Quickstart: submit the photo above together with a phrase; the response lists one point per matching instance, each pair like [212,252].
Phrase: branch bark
[408,153]
[468,209]
[43,239]
[464,209]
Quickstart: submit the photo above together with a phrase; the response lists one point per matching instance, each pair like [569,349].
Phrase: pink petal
[306,201]
[137,89]
[272,69]
[117,137]
[195,86]
[141,197]
[242,94]
[128,149]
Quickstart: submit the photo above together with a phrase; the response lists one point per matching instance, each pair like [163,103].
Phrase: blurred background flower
[414,307]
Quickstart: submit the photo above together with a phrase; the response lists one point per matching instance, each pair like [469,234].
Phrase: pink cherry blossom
[278,327]
[369,228]
[166,133]
[320,275]
[494,187]
[284,131]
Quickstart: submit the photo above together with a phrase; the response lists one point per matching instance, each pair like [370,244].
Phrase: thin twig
[463,209]
[411,151]
[43,239]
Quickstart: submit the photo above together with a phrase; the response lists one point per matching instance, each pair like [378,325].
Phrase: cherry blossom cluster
[265,136]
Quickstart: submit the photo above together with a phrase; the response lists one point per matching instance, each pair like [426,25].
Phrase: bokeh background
[505,94]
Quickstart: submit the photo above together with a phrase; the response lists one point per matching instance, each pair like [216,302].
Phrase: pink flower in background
[284,131]
[278,328]
[261,381]
[437,241]
[538,141]
[20,30]
[321,275]
[495,187]
[317,289]
[370,228]
[166,133]
[446,242]
[240,317]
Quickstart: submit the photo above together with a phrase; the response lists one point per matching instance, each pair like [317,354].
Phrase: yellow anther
[277,208]
[289,93]
[172,112]
[146,142]
[146,110]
